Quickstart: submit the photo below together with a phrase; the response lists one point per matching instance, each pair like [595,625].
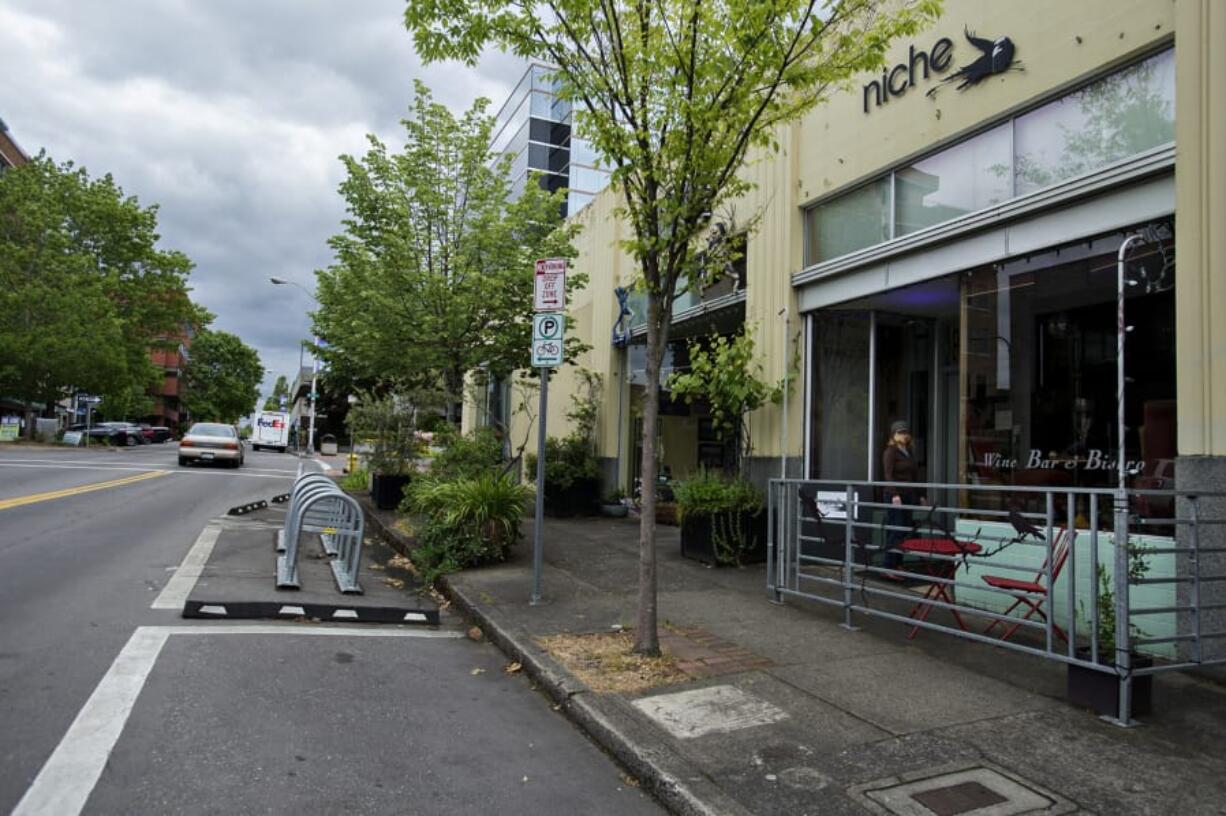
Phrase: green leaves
[279,390]
[433,273]
[84,290]
[724,373]
[222,378]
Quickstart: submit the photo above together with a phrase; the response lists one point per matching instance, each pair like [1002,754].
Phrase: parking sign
[547,340]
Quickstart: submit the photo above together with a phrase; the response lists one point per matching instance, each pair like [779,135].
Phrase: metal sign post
[538,543]
[548,332]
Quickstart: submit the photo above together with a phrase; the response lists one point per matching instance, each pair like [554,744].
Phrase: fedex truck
[271,431]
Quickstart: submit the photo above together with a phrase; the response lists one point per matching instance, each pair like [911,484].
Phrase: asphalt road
[209,717]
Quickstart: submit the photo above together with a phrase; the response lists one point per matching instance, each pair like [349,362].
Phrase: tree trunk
[646,636]
[30,415]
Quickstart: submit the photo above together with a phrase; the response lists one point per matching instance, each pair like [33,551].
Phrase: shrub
[466,522]
[567,461]
[387,424]
[718,508]
[710,492]
[477,453]
[358,480]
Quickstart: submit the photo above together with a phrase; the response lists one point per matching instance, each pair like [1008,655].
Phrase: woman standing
[898,465]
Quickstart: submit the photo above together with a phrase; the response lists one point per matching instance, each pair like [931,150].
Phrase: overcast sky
[229,114]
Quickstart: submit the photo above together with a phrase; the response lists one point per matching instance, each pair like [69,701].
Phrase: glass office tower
[534,127]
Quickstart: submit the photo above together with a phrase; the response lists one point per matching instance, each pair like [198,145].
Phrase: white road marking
[264,474]
[68,777]
[314,630]
[180,585]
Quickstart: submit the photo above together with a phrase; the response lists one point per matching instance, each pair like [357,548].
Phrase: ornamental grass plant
[465,521]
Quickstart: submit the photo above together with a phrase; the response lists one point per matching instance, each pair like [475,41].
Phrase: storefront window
[1040,367]
[840,371]
[967,177]
[1007,373]
[1121,115]
[853,221]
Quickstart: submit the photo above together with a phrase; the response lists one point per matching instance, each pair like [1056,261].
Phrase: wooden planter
[387,491]
[1100,691]
[724,539]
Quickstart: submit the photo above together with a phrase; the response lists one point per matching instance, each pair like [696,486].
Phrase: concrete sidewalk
[789,713]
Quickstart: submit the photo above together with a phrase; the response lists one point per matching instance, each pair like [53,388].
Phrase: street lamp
[314,363]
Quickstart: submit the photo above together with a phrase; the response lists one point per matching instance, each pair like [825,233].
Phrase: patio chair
[1033,594]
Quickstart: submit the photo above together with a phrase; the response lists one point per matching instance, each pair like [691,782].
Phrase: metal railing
[317,504]
[848,544]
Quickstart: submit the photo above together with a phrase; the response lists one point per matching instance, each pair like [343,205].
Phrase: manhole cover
[977,791]
[958,799]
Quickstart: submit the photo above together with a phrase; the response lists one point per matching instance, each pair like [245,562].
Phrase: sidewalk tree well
[85,291]
[672,95]
[222,379]
[433,274]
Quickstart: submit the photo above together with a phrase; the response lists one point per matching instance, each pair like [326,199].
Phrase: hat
[900,426]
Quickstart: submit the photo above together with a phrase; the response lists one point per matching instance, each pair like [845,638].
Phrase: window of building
[1007,372]
[969,176]
[1120,115]
[852,221]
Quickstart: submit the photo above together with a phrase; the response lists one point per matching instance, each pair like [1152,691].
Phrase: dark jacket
[898,466]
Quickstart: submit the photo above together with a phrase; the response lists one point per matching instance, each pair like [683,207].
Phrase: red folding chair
[1033,593]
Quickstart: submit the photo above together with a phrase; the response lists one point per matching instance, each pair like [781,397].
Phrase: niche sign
[991,57]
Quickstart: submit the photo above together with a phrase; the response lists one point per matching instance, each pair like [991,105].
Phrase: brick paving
[701,654]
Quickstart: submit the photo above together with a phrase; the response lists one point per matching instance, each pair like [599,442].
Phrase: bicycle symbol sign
[547,340]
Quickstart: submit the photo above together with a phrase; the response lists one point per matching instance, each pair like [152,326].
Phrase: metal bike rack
[317,504]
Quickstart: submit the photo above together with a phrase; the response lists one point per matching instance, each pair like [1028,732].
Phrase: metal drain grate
[958,799]
[967,791]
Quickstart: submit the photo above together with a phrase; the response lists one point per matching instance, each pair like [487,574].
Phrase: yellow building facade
[938,244]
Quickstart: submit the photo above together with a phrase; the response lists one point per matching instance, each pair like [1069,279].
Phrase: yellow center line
[18,501]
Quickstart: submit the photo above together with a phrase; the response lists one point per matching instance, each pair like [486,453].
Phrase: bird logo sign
[995,57]
[992,57]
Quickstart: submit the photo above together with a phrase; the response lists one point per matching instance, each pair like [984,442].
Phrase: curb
[672,788]
[670,778]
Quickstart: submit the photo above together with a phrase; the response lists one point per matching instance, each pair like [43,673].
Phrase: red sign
[550,291]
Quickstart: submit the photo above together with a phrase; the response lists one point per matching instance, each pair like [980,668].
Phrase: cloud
[230,116]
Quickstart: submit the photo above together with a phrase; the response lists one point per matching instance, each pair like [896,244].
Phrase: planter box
[387,491]
[704,535]
[581,498]
[614,510]
[1100,691]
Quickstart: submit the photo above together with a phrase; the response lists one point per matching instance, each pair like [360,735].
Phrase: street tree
[223,376]
[85,291]
[433,273]
[280,391]
[673,95]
